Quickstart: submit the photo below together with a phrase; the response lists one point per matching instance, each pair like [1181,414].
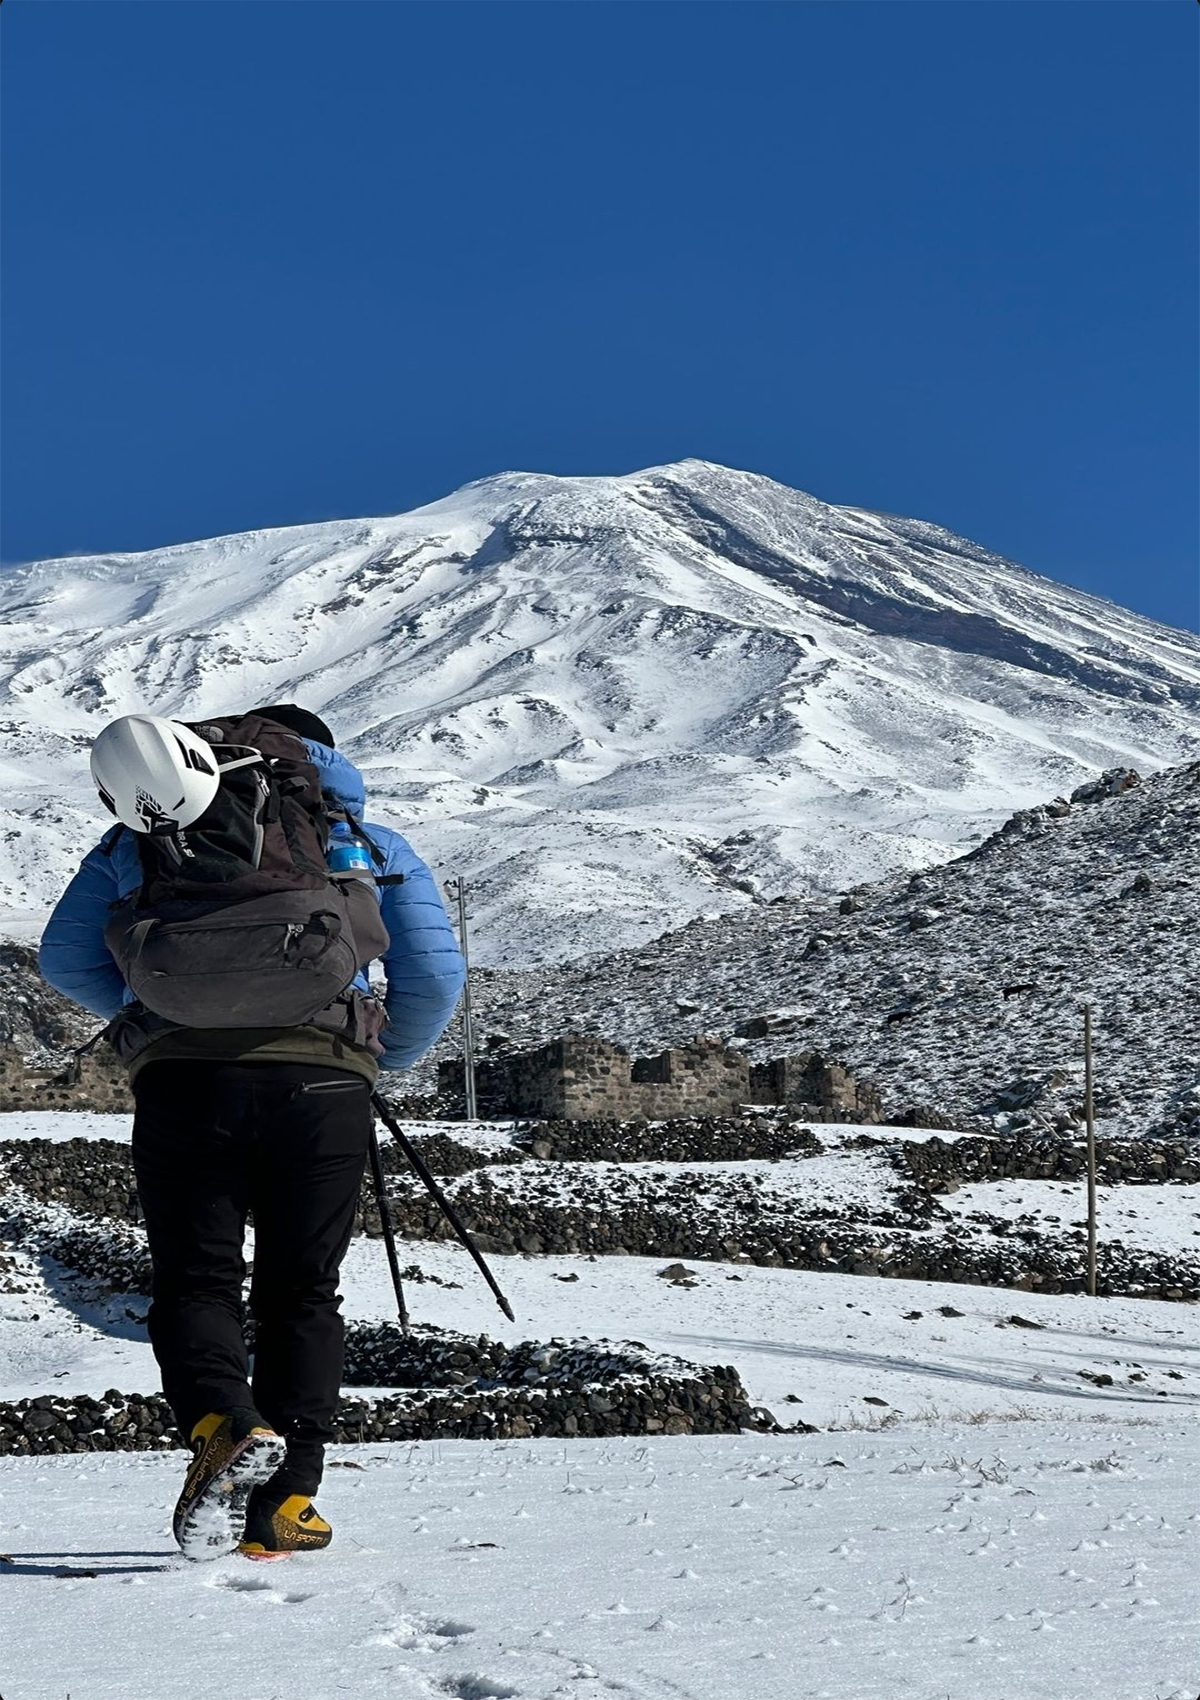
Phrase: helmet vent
[193,759]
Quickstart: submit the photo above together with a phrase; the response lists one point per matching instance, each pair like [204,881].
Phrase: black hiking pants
[286,1143]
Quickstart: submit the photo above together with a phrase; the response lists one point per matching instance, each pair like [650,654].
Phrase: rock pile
[116,1422]
[91,1176]
[112,1254]
[445,1155]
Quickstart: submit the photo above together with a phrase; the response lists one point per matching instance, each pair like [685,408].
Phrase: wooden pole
[468,1021]
[1089,1113]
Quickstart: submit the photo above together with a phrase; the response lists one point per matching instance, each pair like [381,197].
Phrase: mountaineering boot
[278,1526]
[234,1451]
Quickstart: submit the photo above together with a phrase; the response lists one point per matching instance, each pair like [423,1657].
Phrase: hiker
[224,929]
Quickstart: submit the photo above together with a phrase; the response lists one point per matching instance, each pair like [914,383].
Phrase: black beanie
[299,720]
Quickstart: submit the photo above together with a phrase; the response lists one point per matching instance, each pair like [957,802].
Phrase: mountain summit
[612,703]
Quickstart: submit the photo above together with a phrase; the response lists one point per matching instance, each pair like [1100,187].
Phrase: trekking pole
[389,1237]
[443,1203]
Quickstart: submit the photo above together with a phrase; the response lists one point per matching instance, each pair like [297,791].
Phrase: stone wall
[581,1078]
[941,1166]
[76,1205]
[683,1139]
[452,1386]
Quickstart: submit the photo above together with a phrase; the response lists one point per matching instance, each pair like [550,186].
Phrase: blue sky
[279,261]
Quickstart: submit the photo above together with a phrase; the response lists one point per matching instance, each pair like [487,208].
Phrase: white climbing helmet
[153,774]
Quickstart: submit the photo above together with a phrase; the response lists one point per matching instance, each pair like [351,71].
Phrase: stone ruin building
[575,1078]
[581,1078]
[101,1085]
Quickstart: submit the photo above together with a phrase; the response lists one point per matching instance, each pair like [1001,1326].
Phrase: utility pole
[458,888]
[1089,1114]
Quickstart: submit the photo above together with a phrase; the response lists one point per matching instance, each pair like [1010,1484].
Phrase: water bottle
[347,853]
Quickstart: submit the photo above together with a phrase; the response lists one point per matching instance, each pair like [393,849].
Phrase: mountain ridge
[611,702]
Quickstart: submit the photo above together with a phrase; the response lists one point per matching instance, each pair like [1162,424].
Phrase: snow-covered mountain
[613,703]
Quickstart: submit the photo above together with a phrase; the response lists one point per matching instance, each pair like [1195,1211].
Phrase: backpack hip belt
[355,1016]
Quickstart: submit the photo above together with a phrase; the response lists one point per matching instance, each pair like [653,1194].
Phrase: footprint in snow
[474,1687]
[427,1634]
[258,1585]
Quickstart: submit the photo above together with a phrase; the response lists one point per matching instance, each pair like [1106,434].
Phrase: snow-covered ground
[54,1125]
[613,703]
[617,704]
[1000,1502]
[831,1350]
[1156,1218]
[1048,1560]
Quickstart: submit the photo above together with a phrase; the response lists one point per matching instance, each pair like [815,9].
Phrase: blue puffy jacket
[423,965]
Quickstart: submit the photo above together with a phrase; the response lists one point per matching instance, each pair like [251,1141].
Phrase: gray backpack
[238,921]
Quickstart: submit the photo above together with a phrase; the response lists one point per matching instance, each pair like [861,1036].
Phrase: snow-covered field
[1155,1217]
[831,1350]
[1000,1502]
[1048,1560]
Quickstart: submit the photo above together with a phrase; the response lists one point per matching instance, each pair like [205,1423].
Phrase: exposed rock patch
[936,1164]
